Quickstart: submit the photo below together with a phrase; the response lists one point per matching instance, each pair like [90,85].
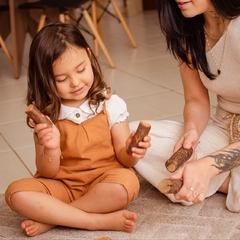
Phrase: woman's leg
[224,187]
[233,196]
[164,135]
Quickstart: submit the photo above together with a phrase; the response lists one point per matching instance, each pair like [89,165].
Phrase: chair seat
[31,5]
[64,3]
[52,4]
[63,6]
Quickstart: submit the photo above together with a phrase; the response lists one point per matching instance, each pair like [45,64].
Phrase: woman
[204,36]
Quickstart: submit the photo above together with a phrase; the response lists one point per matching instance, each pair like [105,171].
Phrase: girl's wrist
[51,154]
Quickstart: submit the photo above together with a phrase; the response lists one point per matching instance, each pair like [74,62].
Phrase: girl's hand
[140,151]
[49,137]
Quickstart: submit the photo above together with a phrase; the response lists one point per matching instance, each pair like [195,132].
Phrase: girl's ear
[89,52]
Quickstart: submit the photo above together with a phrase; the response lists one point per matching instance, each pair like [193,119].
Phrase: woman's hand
[196,175]
[193,172]
[189,139]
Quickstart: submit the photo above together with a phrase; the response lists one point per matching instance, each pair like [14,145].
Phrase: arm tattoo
[227,160]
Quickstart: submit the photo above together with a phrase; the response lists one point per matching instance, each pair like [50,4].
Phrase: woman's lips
[182,5]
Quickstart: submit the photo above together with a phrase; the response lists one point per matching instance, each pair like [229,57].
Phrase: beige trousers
[164,135]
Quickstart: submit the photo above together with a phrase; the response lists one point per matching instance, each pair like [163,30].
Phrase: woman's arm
[197,174]
[121,139]
[196,109]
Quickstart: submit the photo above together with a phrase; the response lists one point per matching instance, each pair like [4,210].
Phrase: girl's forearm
[48,161]
[126,159]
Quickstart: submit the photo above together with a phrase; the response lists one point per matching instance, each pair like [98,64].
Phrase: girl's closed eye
[61,80]
[81,69]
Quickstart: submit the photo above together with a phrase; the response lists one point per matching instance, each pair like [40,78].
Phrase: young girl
[84,177]
[204,36]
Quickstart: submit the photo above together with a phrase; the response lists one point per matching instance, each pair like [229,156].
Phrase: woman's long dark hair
[185,36]
[48,45]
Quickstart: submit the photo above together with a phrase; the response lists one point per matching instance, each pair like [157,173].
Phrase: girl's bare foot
[122,220]
[33,228]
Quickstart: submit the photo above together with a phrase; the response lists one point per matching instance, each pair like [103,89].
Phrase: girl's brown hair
[47,46]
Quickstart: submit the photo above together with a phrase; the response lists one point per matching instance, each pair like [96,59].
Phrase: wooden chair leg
[96,24]
[99,26]
[98,38]
[6,51]
[94,19]
[120,16]
[67,18]
[41,22]
[62,17]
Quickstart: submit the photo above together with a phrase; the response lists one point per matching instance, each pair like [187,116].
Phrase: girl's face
[192,8]
[74,76]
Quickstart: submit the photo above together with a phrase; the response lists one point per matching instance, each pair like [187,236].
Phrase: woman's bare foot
[122,220]
[33,228]
[224,187]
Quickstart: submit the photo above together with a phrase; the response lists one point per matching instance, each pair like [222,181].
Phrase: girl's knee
[128,179]
[121,192]
[132,186]
[125,177]
[12,188]
[15,187]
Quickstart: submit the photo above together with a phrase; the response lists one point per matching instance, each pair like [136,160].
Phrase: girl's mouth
[78,91]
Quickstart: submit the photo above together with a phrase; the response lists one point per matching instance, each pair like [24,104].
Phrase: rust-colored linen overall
[88,159]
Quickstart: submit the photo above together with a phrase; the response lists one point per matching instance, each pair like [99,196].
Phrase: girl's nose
[75,81]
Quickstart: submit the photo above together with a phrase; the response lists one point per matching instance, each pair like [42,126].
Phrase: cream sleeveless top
[227,85]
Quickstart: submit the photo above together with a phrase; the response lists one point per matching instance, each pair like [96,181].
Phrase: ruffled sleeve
[116,109]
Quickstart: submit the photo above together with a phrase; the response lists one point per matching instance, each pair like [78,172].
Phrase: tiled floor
[146,77]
